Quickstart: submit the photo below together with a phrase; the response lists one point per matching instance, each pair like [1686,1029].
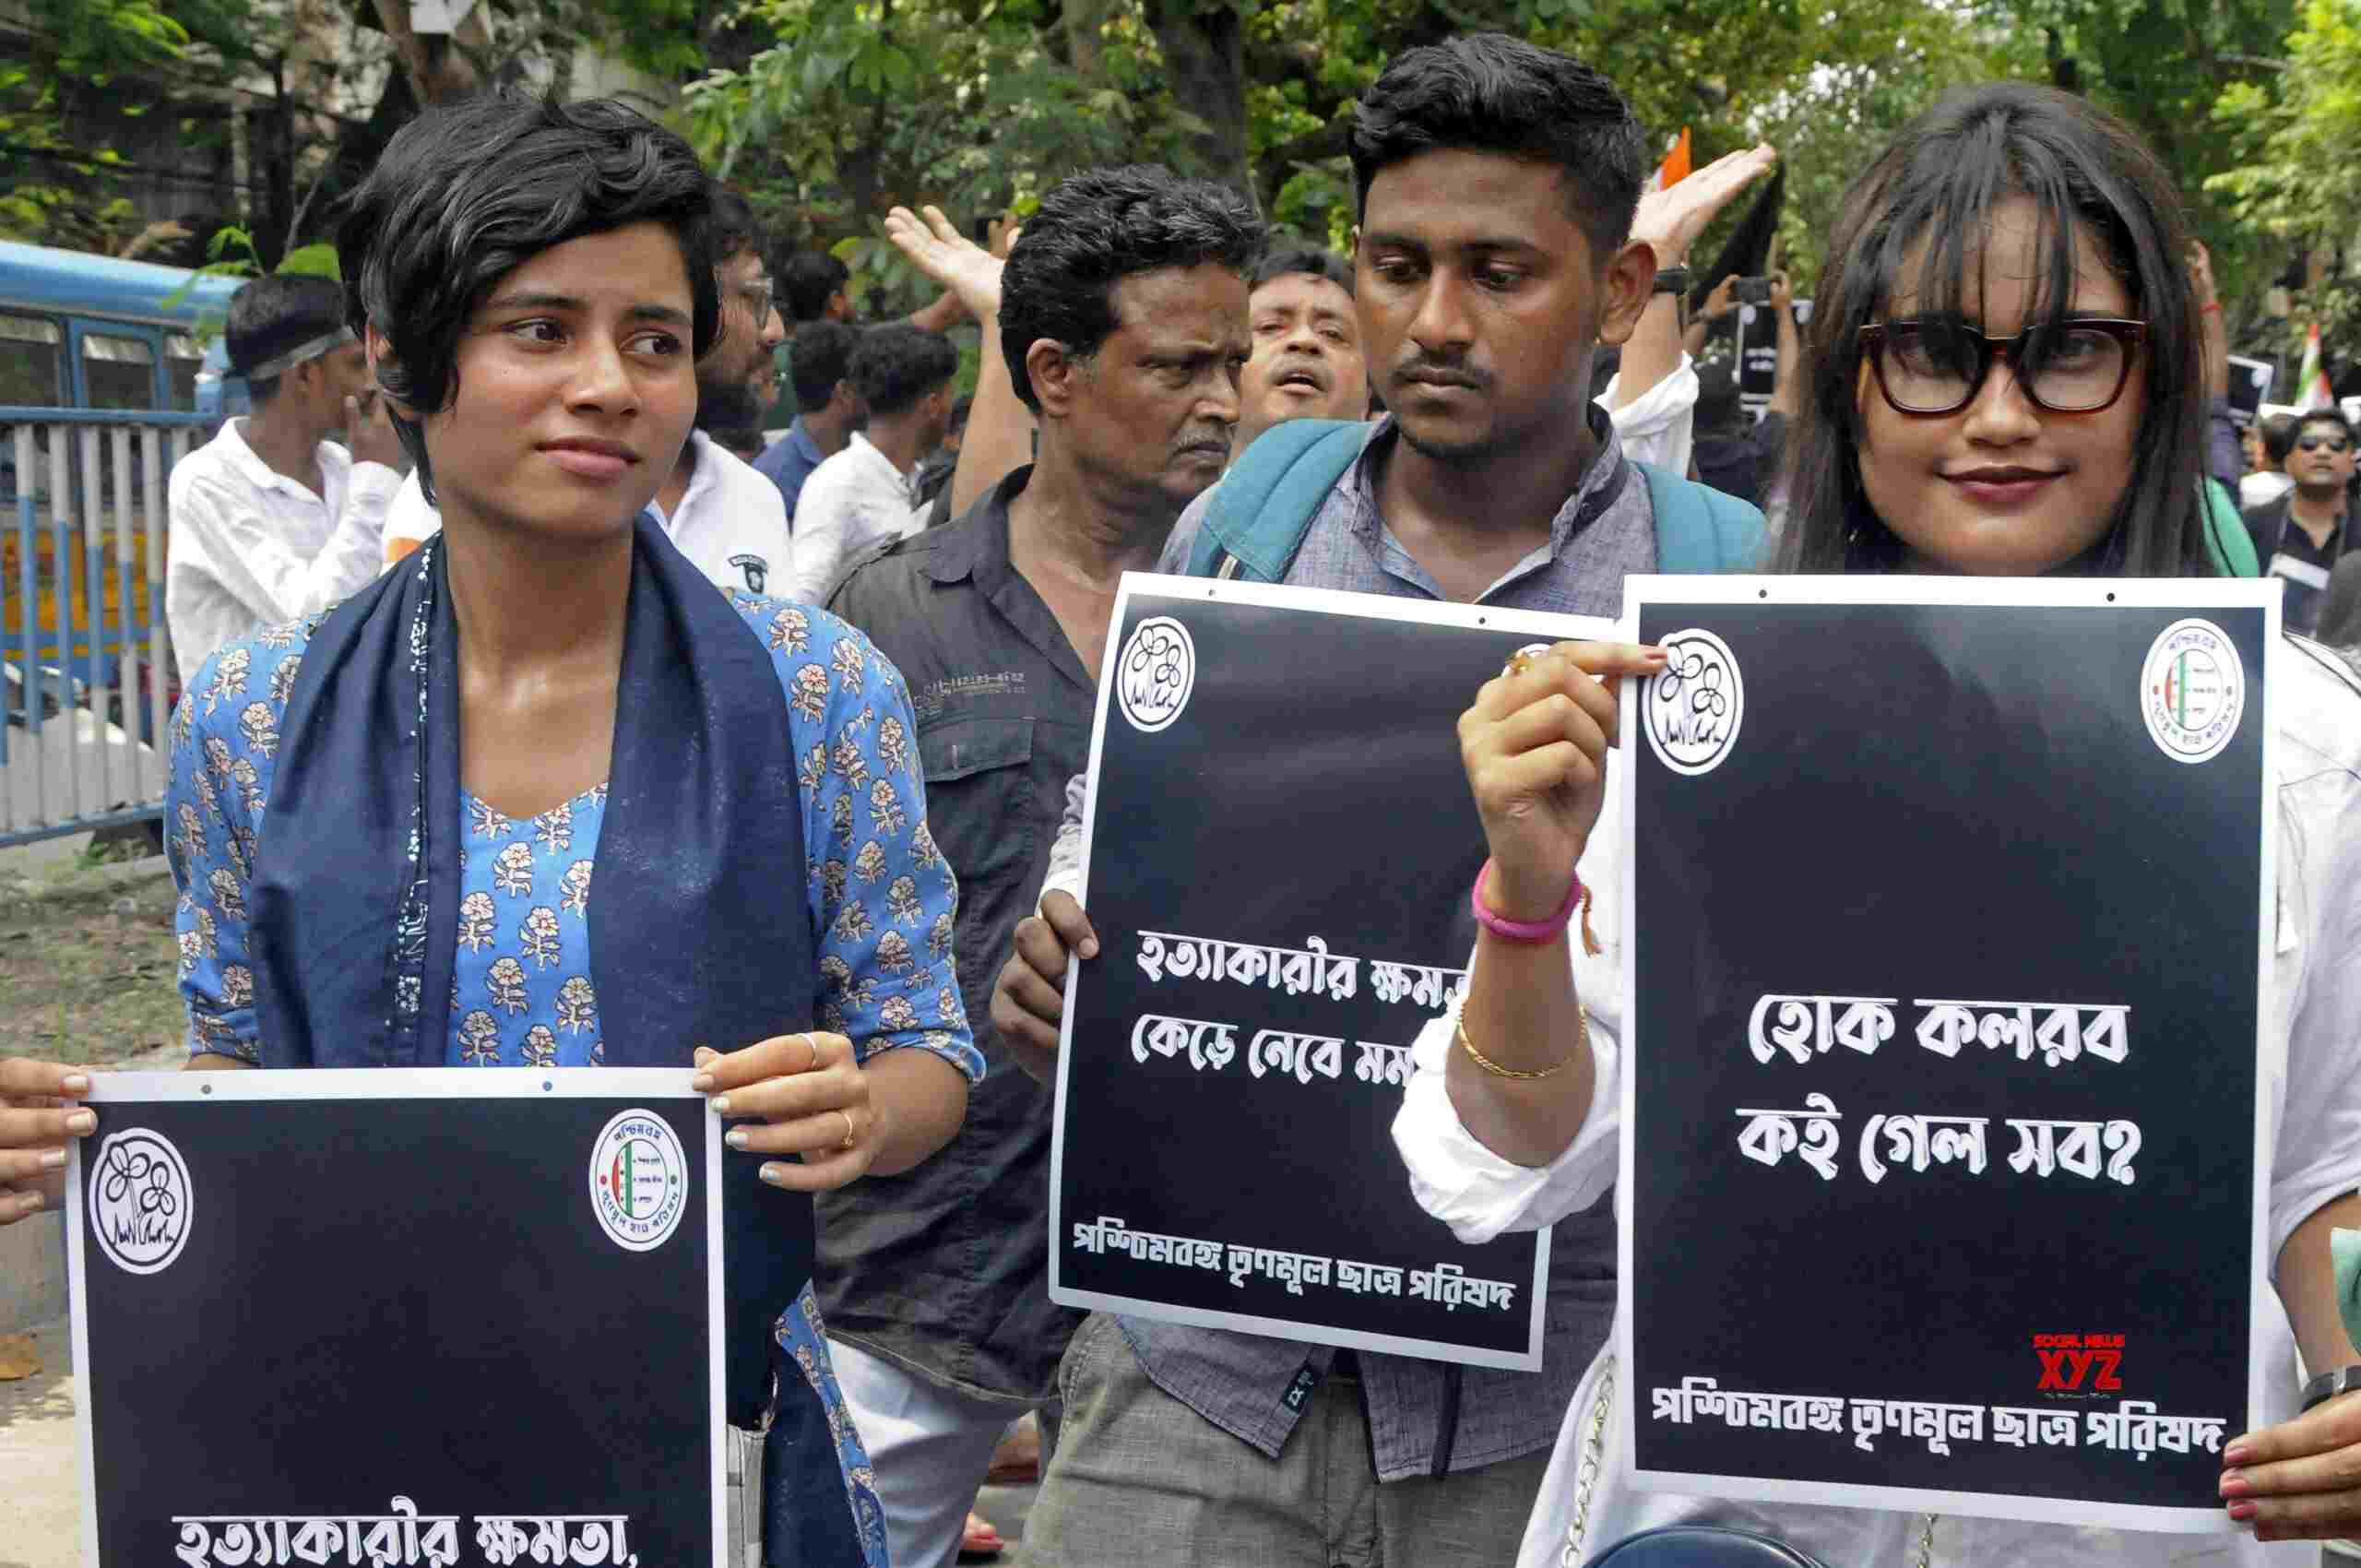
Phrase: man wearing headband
[271,520]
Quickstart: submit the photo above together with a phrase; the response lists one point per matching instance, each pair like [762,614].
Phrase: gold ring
[1522,660]
[848,1132]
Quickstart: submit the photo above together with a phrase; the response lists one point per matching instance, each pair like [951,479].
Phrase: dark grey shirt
[1239,1382]
[944,1270]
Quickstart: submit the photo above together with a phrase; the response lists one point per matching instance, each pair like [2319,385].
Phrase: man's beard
[725,404]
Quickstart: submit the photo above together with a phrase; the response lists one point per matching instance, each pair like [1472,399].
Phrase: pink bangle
[1528,931]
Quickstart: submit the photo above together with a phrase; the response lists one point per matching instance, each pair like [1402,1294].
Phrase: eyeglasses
[2333,445]
[1936,367]
[759,298]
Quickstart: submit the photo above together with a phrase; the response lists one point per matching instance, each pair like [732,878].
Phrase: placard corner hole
[204,1089]
[1762,593]
[2110,597]
[546,1086]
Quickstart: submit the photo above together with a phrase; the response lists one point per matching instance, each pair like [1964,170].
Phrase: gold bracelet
[1582,1036]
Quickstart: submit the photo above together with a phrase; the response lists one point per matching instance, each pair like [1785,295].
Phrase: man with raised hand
[1120,324]
[271,520]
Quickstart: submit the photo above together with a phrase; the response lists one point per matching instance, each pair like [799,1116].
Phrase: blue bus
[87,338]
[79,331]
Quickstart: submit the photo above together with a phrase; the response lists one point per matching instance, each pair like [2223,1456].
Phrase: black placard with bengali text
[1913,805]
[1307,785]
[308,1308]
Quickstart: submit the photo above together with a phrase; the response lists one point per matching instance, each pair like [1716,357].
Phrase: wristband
[1530,933]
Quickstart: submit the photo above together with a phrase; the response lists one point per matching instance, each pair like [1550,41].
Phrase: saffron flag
[1676,162]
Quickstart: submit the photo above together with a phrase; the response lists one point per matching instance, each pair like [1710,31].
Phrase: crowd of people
[471,682]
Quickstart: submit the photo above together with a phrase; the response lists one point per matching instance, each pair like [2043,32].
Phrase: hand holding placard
[1535,745]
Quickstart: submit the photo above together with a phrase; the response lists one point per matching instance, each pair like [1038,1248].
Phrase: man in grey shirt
[1497,187]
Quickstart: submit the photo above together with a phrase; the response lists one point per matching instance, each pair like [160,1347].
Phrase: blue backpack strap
[1265,502]
[1699,529]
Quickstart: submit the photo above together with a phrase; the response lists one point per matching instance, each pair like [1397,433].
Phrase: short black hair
[823,357]
[1310,259]
[897,365]
[1489,92]
[1720,404]
[2278,438]
[2312,417]
[470,191]
[810,280]
[273,315]
[959,410]
[1096,229]
[734,228]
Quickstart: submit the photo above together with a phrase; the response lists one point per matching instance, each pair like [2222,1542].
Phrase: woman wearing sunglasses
[2006,380]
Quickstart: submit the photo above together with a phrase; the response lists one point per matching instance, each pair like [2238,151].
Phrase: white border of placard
[403,1083]
[2096,593]
[1541,625]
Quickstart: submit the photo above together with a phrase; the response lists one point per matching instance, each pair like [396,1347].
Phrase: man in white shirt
[862,497]
[728,520]
[271,520]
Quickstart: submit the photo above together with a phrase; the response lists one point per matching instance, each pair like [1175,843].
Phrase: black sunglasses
[1936,366]
[2332,444]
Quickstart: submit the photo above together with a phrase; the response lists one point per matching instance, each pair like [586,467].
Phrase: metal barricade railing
[86,704]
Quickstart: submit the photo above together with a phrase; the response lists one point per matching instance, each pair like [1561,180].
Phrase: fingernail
[720,1102]
[701,1081]
[32,1204]
[735,1137]
[2242,1512]
[2236,1454]
[771,1174]
[1090,948]
[52,1159]
[78,1083]
[2234,1484]
[82,1122]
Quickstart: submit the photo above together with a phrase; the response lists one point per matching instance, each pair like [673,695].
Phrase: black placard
[2249,387]
[1272,767]
[2033,813]
[293,1309]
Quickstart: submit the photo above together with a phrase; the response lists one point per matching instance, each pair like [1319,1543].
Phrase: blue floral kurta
[880,895]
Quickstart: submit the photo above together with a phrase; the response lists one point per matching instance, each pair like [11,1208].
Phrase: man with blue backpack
[1499,185]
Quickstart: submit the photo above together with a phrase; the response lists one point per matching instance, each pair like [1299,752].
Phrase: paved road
[41,1502]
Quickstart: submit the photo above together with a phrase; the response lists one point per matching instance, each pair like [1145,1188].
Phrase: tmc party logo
[1692,711]
[1158,667]
[639,1180]
[2192,690]
[140,1200]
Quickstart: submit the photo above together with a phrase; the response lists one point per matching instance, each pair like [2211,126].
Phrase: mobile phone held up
[1751,291]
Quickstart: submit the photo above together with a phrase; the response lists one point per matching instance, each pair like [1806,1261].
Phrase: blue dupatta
[699,933]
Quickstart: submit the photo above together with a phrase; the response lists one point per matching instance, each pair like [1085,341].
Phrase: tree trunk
[440,69]
[1204,45]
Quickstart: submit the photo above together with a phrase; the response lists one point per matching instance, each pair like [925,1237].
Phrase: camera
[1751,291]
